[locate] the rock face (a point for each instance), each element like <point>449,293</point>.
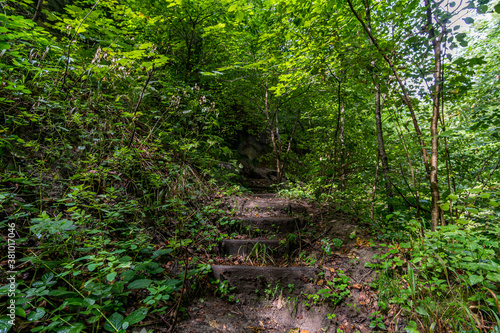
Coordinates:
<point>251,151</point>
<point>250,148</point>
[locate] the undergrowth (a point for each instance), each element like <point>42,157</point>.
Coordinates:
<point>442,281</point>
<point>104,193</point>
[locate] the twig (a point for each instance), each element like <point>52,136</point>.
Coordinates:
<point>139,103</point>
<point>183,288</point>
<point>496,300</point>
<point>406,200</point>
<point>38,10</point>
<point>71,42</point>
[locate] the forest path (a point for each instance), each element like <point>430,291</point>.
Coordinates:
<point>278,275</point>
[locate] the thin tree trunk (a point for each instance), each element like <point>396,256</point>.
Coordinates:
<point>38,11</point>
<point>449,168</point>
<point>378,121</point>
<point>339,116</point>
<point>399,130</point>
<point>374,190</point>
<point>271,129</point>
<point>433,176</point>
<point>342,147</point>
<point>381,148</point>
<point>406,97</point>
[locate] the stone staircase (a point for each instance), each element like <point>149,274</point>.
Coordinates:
<point>262,285</point>
<point>265,214</point>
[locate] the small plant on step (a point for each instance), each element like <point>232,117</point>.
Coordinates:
<point>272,292</point>
<point>260,254</point>
<point>224,291</point>
<point>331,316</point>
<point>309,260</point>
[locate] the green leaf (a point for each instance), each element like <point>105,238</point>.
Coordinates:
<point>475,279</point>
<point>161,252</point>
<point>20,312</point>
<point>60,293</point>
<point>421,311</point>
<point>111,276</point>
<point>138,284</point>
<point>92,267</point>
<point>4,324</point>
<point>482,9</point>
<point>485,195</point>
<point>469,20</point>
<point>411,327</point>
<point>445,206</point>
<point>114,322</point>
<point>472,210</point>
<point>88,302</point>
<point>493,203</point>
<point>495,277</point>
<point>75,328</point>
<point>497,8</point>
<point>36,315</point>
<point>136,316</point>
<point>240,16</point>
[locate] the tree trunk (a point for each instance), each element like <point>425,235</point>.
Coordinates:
<point>381,148</point>
<point>38,11</point>
<point>274,139</point>
<point>374,190</point>
<point>436,96</point>
<point>378,121</point>
<point>342,147</point>
<point>406,96</point>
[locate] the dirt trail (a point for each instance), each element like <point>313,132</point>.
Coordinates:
<point>280,279</point>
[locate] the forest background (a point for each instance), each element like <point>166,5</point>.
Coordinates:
<point>120,124</point>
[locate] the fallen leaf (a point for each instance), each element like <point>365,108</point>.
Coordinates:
<point>357,286</point>
<point>279,303</point>
<point>213,323</point>
<point>320,282</point>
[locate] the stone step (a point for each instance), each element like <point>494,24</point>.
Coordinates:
<point>255,247</point>
<point>258,189</point>
<point>265,195</point>
<point>281,224</point>
<point>257,279</point>
<point>274,205</point>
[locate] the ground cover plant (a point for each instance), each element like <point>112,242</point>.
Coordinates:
<point>125,126</point>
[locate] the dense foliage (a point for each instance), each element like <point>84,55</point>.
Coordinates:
<point>120,128</point>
